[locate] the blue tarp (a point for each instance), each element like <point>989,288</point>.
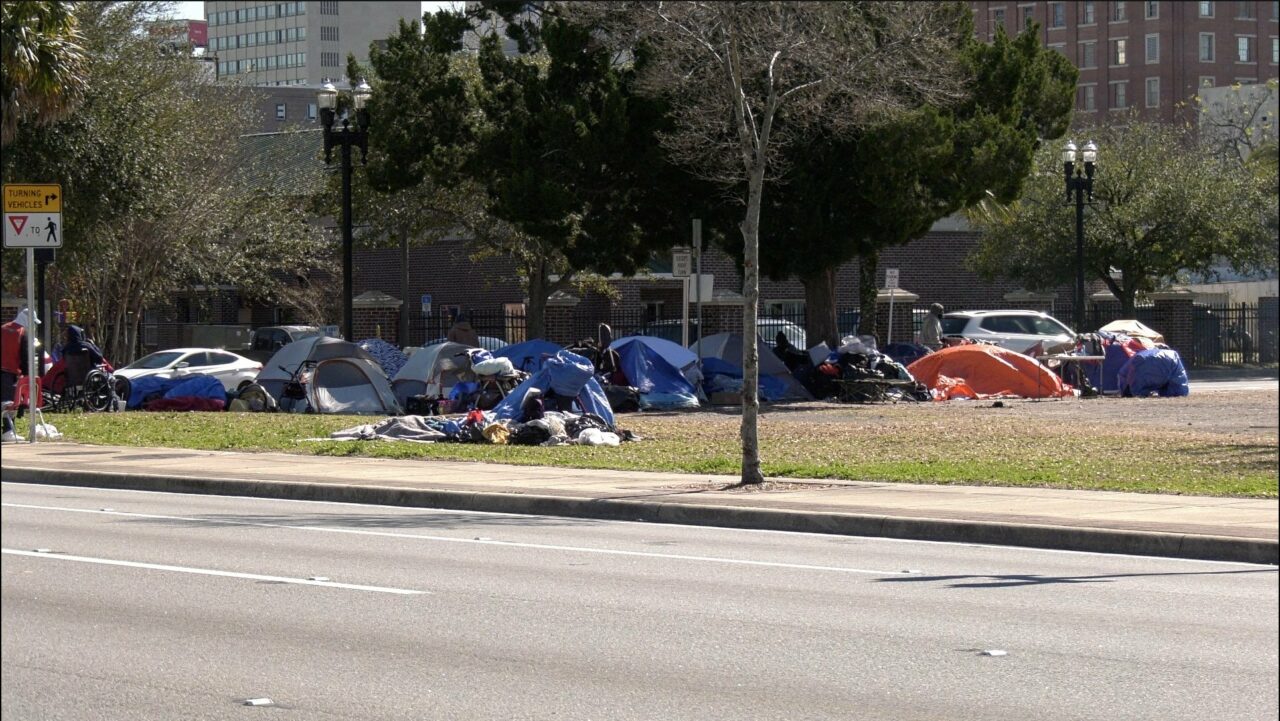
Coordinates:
<point>1158,371</point>
<point>905,353</point>
<point>558,373</point>
<point>197,386</point>
<point>1115,357</point>
<point>660,383</point>
<point>528,356</point>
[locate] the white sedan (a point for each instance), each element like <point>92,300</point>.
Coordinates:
<point>229,368</point>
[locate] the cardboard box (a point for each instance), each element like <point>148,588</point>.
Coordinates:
<point>723,398</point>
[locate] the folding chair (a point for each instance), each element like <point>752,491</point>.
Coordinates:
<point>22,400</point>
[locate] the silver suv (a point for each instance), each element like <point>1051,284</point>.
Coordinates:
<point>1016,330</point>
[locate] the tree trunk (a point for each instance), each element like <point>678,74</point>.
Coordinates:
<point>402,332</point>
<point>750,431</point>
<point>867,263</point>
<point>820,323</point>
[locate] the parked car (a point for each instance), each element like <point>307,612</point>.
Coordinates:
<point>1015,330</point>
<point>269,339</point>
<point>227,367</point>
<point>766,328</point>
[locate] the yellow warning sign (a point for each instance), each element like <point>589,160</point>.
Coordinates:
<point>19,198</point>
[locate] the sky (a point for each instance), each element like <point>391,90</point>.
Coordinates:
<point>195,10</point>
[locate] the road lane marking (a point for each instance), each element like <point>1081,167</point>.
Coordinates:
<point>489,542</point>
<point>212,572</point>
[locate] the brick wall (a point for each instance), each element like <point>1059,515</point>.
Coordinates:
<point>376,323</point>
<point>1172,318</point>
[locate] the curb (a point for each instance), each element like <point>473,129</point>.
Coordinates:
<point>1095,540</point>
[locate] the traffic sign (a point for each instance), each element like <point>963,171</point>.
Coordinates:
<point>890,278</point>
<point>681,263</point>
<point>32,215</point>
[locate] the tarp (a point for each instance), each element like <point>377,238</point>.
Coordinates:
<point>1158,371</point>
<point>906,353</point>
<point>661,384</point>
<point>433,371</point>
<point>198,385</point>
<point>775,379</point>
<point>390,358</point>
<point>989,371</point>
<point>1132,328</point>
<point>488,343</point>
<point>589,396</point>
<point>343,378</point>
<point>528,356</point>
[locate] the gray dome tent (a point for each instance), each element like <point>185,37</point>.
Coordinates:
<point>338,376</point>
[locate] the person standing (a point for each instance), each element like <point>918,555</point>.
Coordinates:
<point>931,331</point>
<point>14,350</point>
<point>462,332</point>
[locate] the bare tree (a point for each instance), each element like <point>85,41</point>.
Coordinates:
<point>745,76</point>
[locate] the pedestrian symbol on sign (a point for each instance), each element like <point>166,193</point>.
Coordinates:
<point>52,227</point>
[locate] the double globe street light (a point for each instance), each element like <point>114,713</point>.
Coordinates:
<point>350,134</point>
<point>1080,181</point>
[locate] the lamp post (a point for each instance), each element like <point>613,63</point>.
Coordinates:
<point>1080,181</point>
<point>347,136</point>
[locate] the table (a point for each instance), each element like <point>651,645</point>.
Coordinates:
<point>868,390</point>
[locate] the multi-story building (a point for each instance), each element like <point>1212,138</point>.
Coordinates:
<point>298,43</point>
<point>1152,55</point>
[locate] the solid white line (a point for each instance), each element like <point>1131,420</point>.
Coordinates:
<point>484,542</point>
<point>211,572</point>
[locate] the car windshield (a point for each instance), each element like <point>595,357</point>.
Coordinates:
<point>154,361</point>
<point>954,326</point>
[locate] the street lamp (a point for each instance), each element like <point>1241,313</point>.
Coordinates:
<point>350,134</point>
<point>1081,182</point>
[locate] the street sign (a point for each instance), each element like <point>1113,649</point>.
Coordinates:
<point>32,215</point>
<point>890,278</point>
<point>426,304</point>
<point>681,263</point>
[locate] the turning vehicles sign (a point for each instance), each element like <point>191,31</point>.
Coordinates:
<point>32,215</point>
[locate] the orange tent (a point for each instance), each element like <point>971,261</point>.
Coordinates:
<point>968,371</point>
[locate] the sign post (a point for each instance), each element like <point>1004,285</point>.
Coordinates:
<point>697,289</point>
<point>32,219</point>
<point>891,283</point>
<point>681,267</point>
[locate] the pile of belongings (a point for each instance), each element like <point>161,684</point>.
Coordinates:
<point>977,371</point>
<point>197,392</point>
<point>622,397</point>
<point>1138,365</point>
<point>857,359</point>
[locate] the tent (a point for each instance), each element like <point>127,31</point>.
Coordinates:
<point>487,342</point>
<point>661,383</point>
<point>1134,328</point>
<point>433,371</point>
<point>338,377</point>
<point>1159,371</point>
<point>529,355</point>
<point>568,375</point>
<point>776,381</point>
<point>986,370</point>
<point>674,353</point>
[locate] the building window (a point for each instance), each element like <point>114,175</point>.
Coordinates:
<point>1275,51</point>
<point>311,111</point>
<point>1153,92</point>
<point>1028,16</point>
<point>1089,54</point>
<point>1118,12</point>
<point>1275,9</point>
<point>329,60</point>
<point>1060,48</point>
<point>1153,49</point>
<point>1088,98</point>
<point>1246,50</point>
<point>1086,14</point>
<point>997,20</point>
<point>1118,92</point>
<point>1118,54</point>
<point>279,111</point>
<point>302,32</point>
<point>1057,15</point>
<point>1246,81</point>
<point>328,34</point>
<point>1244,11</point>
<point>1206,8</point>
<point>329,7</point>
<point>1151,9</point>
<point>1206,47</point>
<point>1207,81</point>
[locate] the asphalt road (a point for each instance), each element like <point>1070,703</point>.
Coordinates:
<point>159,606</point>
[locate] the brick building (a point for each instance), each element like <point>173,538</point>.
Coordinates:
<point>1151,55</point>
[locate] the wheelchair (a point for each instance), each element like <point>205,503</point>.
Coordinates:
<point>88,387</point>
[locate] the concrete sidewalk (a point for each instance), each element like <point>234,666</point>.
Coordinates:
<point>1227,529</point>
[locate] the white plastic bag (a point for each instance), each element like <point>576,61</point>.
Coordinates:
<point>47,432</point>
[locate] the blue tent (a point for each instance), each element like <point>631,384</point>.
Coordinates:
<point>529,355</point>
<point>661,384</point>
<point>1158,371</point>
<point>568,374</point>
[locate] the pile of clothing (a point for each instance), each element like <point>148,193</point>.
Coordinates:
<point>1135,366</point>
<point>552,428</point>
<point>856,359</point>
